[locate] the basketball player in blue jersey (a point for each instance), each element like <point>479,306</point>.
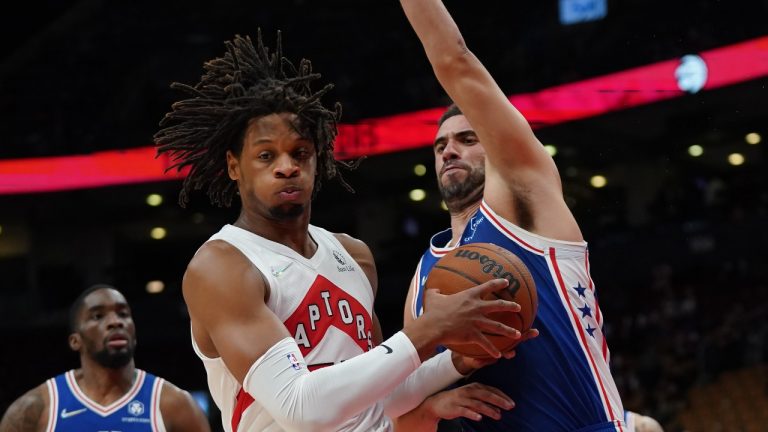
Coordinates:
<point>508,192</point>
<point>108,392</point>
<point>272,297</point>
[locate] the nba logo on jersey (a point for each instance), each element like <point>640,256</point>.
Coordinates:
<point>136,408</point>
<point>294,362</point>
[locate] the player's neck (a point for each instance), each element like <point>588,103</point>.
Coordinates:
<point>293,233</point>
<point>105,385</point>
<point>459,219</point>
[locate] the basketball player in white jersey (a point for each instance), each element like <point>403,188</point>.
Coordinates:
<point>107,392</point>
<point>272,297</point>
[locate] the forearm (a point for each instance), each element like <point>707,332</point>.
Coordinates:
<point>299,400</point>
<point>432,376</point>
<point>436,30</point>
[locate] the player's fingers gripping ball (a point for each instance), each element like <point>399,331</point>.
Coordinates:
<point>475,263</point>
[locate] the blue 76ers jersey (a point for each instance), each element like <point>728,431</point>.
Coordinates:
<point>560,381</point>
<point>137,410</point>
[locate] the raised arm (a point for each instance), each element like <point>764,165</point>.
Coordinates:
<point>519,171</point>
<point>504,132</point>
<point>29,413</point>
<point>254,344</point>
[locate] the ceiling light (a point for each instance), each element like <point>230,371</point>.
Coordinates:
<point>155,286</point>
<point>598,181</point>
<point>736,159</point>
<point>695,150</point>
<point>753,138</point>
<point>419,169</point>
<point>158,233</point>
<point>417,195</point>
<point>154,200</point>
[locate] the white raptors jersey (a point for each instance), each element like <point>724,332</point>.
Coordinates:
<point>325,302</point>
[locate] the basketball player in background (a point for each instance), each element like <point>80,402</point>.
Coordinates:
<point>292,297</point>
<point>508,192</point>
<point>108,392</point>
<point>641,423</point>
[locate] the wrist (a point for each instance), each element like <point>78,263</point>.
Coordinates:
<point>461,366</point>
<point>423,337</point>
<point>429,415</point>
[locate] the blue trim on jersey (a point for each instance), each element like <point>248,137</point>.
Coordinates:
<point>135,415</point>
<point>549,379</point>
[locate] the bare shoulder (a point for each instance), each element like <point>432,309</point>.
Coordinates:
<point>352,245</point>
<point>28,413</point>
<point>358,249</point>
<point>180,411</point>
<point>362,254</point>
<point>216,268</point>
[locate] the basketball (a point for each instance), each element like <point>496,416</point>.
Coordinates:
<point>475,263</point>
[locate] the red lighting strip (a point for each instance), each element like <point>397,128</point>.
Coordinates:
<point>630,88</point>
<point>107,168</point>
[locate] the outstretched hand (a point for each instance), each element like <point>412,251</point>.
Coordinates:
<point>472,401</point>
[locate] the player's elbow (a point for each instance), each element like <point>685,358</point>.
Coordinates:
<point>453,62</point>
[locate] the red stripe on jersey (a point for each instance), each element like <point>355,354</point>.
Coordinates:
<point>242,402</point>
<point>499,225</point>
<point>584,343</point>
<point>598,315</point>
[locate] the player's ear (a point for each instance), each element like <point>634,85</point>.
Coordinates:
<point>75,342</point>
<point>233,168</point>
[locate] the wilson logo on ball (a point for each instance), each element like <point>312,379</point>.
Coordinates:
<point>491,267</point>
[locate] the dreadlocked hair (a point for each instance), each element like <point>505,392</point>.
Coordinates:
<point>246,83</point>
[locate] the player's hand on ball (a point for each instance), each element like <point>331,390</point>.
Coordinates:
<point>462,318</point>
<point>472,401</point>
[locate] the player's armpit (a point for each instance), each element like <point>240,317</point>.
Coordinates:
<point>28,413</point>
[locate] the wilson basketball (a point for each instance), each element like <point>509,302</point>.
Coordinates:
<point>471,265</point>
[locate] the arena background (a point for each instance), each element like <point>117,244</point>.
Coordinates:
<point>676,241</point>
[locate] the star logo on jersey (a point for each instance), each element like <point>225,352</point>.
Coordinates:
<point>580,289</point>
<point>585,311</point>
<point>68,414</point>
<point>136,408</point>
<point>591,330</point>
<point>277,272</point>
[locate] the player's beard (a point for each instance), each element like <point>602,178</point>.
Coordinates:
<point>460,194</point>
<point>287,211</point>
<point>114,359</point>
